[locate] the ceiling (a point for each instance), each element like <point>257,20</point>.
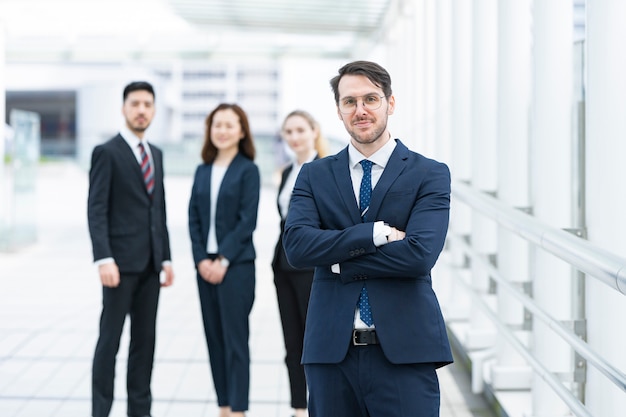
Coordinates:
<point>101,31</point>
<point>301,16</point>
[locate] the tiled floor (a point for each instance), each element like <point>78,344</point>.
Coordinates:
<point>50,305</point>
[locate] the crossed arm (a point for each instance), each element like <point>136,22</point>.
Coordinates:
<point>413,247</point>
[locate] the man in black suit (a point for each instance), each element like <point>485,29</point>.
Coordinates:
<point>127,224</point>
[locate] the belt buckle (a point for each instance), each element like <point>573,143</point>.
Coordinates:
<point>354,341</point>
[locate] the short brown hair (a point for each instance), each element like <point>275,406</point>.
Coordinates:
<point>374,72</point>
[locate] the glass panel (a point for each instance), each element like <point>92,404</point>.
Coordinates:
<point>20,224</point>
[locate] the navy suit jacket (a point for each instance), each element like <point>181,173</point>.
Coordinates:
<point>124,222</point>
<point>324,227</point>
<point>235,213</point>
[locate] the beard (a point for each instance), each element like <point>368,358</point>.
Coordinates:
<point>370,136</point>
<point>138,127</point>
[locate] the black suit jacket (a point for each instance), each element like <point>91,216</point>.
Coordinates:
<point>124,222</point>
<point>279,262</point>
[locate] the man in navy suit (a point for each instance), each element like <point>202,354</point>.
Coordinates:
<point>373,231</point>
<point>127,224</point>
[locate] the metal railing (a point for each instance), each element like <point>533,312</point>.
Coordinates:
<point>586,257</point>
<point>581,254</point>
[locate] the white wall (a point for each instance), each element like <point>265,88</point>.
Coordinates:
<point>606,192</point>
<point>99,112</point>
<point>3,190</point>
<point>306,86</point>
<point>546,168</point>
<point>99,97</point>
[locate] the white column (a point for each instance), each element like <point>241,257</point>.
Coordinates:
<point>456,303</point>
<point>95,127</point>
<point>514,77</point>
<point>443,96</point>
<point>427,143</point>
<point>3,188</point>
<point>606,193</point>
<point>483,153</point>
<point>461,90</point>
<point>405,63</point>
<point>172,101</point>
<point>551,179</point>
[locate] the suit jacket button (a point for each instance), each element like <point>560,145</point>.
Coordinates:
<point>362,251</point>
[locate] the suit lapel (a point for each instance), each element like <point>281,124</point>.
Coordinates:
<point>156,167</point>
<point>284,176</point>
<point>129,157</point>
<point>131,161</point>
<point>395,166</point>
<point>341,172</point>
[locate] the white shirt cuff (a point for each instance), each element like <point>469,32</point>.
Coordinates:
<point>104,261</point>
<point>381,231</point>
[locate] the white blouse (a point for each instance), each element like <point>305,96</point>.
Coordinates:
<point>217,175</point>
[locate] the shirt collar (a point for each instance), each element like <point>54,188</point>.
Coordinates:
<point>380,157</point>
<point>130,138</point>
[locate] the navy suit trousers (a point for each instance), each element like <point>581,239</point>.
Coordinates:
<point>366,384</point>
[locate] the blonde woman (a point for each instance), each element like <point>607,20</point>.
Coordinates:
<point>302,134</point>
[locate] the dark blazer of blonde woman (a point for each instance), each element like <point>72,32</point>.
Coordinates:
<point>293,287</point>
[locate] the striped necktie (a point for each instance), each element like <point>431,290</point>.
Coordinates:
<point>146,170</point>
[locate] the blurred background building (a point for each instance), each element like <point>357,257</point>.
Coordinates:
<point>525,100</point>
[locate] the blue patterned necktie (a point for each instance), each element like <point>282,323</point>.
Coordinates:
<point>364,204</point>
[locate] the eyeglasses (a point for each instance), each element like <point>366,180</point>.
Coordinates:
<point>347,105</point>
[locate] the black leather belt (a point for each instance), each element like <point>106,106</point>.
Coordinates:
<point>364,337</point>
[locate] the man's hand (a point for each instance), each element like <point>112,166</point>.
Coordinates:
<point>395,235</point>
<point>169,276</point>
<point>109,274</point>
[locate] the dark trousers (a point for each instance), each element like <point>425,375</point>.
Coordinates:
<point>366,384</point>
<point>136,296</point>
<point>225,311</point>
<point>292,290</point>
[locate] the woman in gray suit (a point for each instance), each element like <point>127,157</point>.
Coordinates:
<point>222,218</point>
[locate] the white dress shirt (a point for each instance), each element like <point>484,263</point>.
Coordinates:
<point>133,141</point>
<point>380,159</point>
